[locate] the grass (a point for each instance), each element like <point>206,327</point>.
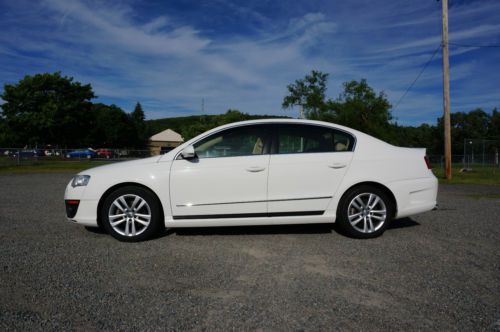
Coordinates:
<point>479,196</point>
<point>48,166</point>
<point>478,175</point>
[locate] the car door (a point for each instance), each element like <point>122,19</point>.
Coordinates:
<point>226,179</point>
<point>306,167</point>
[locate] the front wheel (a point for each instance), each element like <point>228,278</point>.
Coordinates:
<point>131,214</point>
<point>365,212</point>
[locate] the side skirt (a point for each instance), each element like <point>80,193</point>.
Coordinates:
<point>250,215</point>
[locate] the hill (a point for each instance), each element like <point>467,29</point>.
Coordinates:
<point>191,126</point>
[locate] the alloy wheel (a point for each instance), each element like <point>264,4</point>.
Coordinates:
<point>129,215</point>
<point>367,212</point>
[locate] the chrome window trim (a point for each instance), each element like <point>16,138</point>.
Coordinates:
<point>258,201</point>
<point>278,124</point>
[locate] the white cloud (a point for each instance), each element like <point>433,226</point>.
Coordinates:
<point>168,64</point>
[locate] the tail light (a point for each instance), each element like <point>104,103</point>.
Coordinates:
<point>427,162</point>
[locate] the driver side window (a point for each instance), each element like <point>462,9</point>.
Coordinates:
<point>234,142</point>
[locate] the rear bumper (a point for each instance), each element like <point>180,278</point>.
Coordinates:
<point>415,196</point>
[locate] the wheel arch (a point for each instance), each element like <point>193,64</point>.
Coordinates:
<point>378,185</point>
<point>121,185</point>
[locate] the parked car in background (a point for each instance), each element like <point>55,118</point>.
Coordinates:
<point>28,153</point>
<point>260,172</point>
<point>85,153</point>
<point>7,152</point>
<point>51,151</point>
<point>104,153</point>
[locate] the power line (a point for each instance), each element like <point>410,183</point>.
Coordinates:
<point>472,45</point>
<point>418,76</point>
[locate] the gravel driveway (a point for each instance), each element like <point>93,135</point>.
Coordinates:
<point>438,270</point>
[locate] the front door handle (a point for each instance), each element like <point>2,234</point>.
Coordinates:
<point>255,169</point>
<point>337,165</point>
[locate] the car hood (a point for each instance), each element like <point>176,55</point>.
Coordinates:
<point>120,166</point>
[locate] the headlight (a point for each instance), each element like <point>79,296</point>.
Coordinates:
<point>80,180</point>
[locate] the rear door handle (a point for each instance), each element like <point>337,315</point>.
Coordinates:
<point>255,169</point>
<point>337,165</point>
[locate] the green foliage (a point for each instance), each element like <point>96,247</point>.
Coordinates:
<point>138,118</point>
<point>191,126</point>
<point>359,107</point>
<point>111,127</point>
<point>494,128</point>
<point>53,109</point>
<point>308,93</point>
<point>138,114</point>
<point>423,136</point>
<point>47,108</point>
<point>476,124</point>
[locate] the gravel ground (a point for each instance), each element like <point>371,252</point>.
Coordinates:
<point>438,270</point>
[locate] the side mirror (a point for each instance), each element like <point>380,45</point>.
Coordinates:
<point>188,152</point>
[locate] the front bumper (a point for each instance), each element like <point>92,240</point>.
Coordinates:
<point>85,212</point>
<point>71,207</point>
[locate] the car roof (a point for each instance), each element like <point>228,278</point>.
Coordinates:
<point>287,121</point>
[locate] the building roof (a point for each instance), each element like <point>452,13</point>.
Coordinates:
<point>167,135</point>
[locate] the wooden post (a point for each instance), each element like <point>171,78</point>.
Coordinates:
<point>446,94</point>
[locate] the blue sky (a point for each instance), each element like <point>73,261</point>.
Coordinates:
<point>168,55</point>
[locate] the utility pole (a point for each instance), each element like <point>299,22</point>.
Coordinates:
<point>446,94</point>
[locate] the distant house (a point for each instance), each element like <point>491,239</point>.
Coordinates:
<point>164,141</point>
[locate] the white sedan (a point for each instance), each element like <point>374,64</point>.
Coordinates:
<point>261,172</point>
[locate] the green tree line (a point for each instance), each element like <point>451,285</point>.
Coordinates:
<point>54,109</point>
<point>191,126</point>
<point>360,107</point>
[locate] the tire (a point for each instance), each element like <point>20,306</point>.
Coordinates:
<point>128,225</point>
<point>358,221</point>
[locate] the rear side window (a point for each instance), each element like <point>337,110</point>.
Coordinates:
<point>239,141</point>
<point>312,139</point>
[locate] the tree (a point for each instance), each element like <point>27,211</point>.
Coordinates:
<point>308,93</point>
<point>494,129</point>
<point>138,114</point>
<point>111,127</point>
<point>47,108</point>
<point>474,124</point>
<point>360,107</point>
<point>138,118</point>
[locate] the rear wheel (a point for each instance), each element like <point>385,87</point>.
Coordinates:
<point>131,214</point>
<point>365,212</point>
